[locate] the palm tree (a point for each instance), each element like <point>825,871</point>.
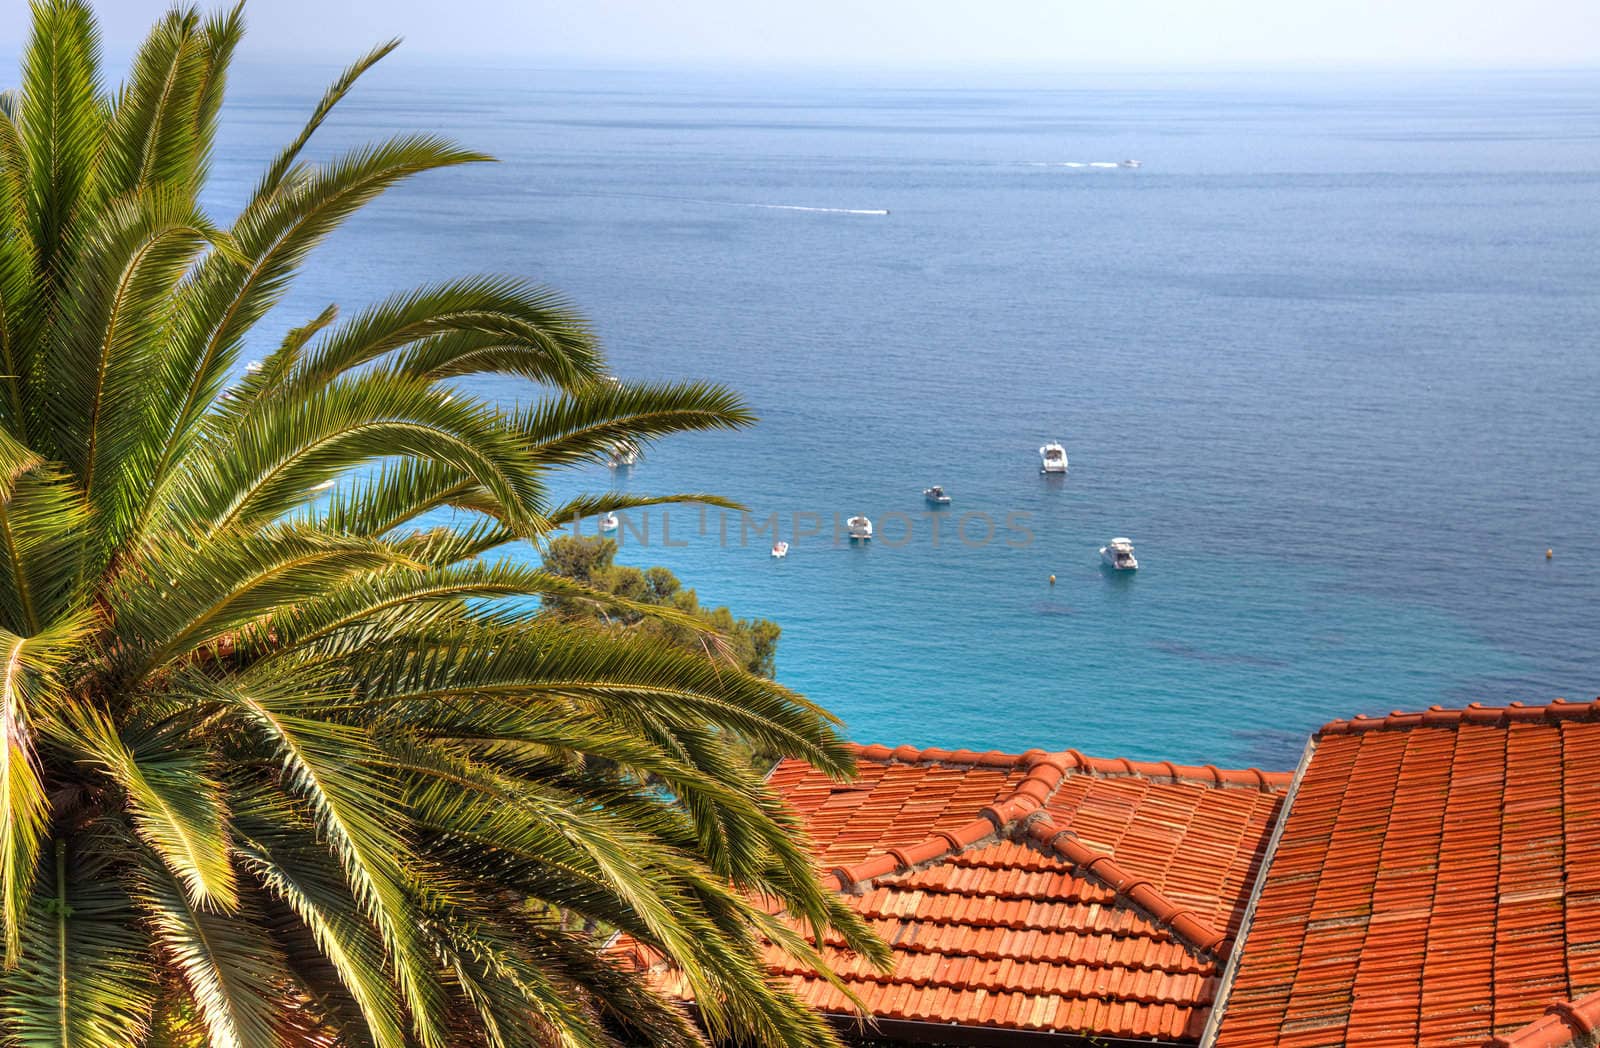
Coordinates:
<point>281,763</point>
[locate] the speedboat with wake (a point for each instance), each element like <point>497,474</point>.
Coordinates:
<point>1118,555</point>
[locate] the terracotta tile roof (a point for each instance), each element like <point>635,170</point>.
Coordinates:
<point>1436,882</point>
<point>1043,892</point>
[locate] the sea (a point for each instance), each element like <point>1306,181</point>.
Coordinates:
<point>1328,356</point>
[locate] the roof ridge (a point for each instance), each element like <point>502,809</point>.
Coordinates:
<point>1100,767</point>
<point>1554,711</point>
<point>1184,924</point>
<point>1044,775</point>
<point>1025,804</point>
<point>1564,1024</point>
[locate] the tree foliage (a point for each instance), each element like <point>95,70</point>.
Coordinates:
<point>750,644</point>
<point>280,763</point>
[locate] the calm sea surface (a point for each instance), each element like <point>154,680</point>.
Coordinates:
<point>1329,357</point>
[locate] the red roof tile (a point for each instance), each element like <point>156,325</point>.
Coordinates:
<point>1436,882</point>
<point>1041,891</point>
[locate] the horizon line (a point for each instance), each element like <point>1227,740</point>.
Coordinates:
<point>504,60</point>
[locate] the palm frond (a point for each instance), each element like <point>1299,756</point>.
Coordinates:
<point>100,363</point>
<point>30,685</point>
<point>154,128</point>
<point>225,295</point>
<point>281,455</point>
<point>332,769</point>
<point>60,121</point>
<point>385,602</point>
<point>232,970</point>
<point>619,674</point>
<point>398,490</point>
<point>17,272</point>
<point>42,518</point>
<point>585,425</point>
<point>285,161</point>
<point>86,975</point>
<point>463,327</point>
<point>184,598</point>
<point>580,507</point>
<point>221,33</point>
<point>304,877</point>
<point>174,801</point>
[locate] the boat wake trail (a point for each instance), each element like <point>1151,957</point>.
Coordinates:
<point>797,207</point>
<point>1077,163</point>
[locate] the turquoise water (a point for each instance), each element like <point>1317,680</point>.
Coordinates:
<point>1328,357</point>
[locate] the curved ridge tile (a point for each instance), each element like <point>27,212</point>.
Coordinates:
<point>1075,762</point>
<point>1553,712</point>
<point>1563,1025</point>
<point>1140,892</point>
<point>1029,795</point>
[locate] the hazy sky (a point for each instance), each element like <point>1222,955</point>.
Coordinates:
<point>1066,34</point>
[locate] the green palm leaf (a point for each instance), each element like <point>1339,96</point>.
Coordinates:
<point>155,124</point>
<point>60,122</point>
<point>174,801</point>
<point>463,327</point>
<point>290,866</point>
<point>232,969</point>
<point>333,770</point>
<point>87,974</point>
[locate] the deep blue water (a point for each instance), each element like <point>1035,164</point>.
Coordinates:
<point>1329,358</point>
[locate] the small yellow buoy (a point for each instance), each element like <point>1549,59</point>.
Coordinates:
<point>1052,580</point>
<point>1549,553</point>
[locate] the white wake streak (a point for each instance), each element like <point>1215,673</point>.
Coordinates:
<point>797,207</point>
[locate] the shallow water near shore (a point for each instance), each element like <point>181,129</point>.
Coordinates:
<point>1328,357</point>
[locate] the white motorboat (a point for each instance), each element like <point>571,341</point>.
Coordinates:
<point>1130,163</point>
<point>1053,458</point>
<point>609,522</point>
<point>780,549</point>
<point>1118,554</point>
<point>623,453</point>
<point>860,528</point>
<point>936,495</point>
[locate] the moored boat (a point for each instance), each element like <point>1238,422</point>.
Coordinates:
<point>1052,458</point>
<point>780,549</point>
<point>609,522</point>
<point>1118,554</point>
<point>860,528</point>
<point>623,453</point>
<point>936,495</point>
